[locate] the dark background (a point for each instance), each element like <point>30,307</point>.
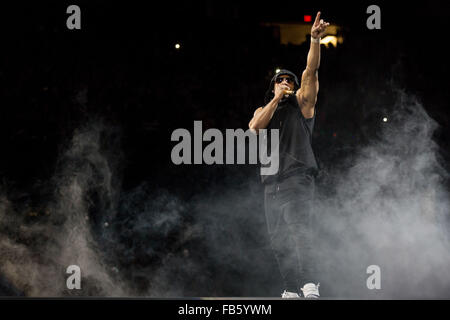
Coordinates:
<point>124,56</point>
<point>122,68</point>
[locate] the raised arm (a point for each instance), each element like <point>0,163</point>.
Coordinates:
<point>307,94</point>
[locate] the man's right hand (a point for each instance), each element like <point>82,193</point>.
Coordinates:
<point>280,91</point>
<point>262,116</point>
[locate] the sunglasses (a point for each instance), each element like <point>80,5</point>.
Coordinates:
<point>288,79</point>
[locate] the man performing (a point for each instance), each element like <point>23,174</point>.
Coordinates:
<point>289,193</point>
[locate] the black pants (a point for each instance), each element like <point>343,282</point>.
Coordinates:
<point>288,207</point>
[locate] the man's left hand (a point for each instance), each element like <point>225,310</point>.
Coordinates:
<point>319,27</point>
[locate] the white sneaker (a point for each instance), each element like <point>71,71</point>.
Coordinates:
<point>311,291</point>
<point>289,295</point>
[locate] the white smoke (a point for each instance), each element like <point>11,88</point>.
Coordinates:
<point>389,209</point>
<point>35,255</point>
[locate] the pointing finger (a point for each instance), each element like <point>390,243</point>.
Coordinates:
<point>316,22</point>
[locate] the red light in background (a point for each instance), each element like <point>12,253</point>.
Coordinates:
<point>307,18</point>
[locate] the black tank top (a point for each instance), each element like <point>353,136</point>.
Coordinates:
<point>295,134</point>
